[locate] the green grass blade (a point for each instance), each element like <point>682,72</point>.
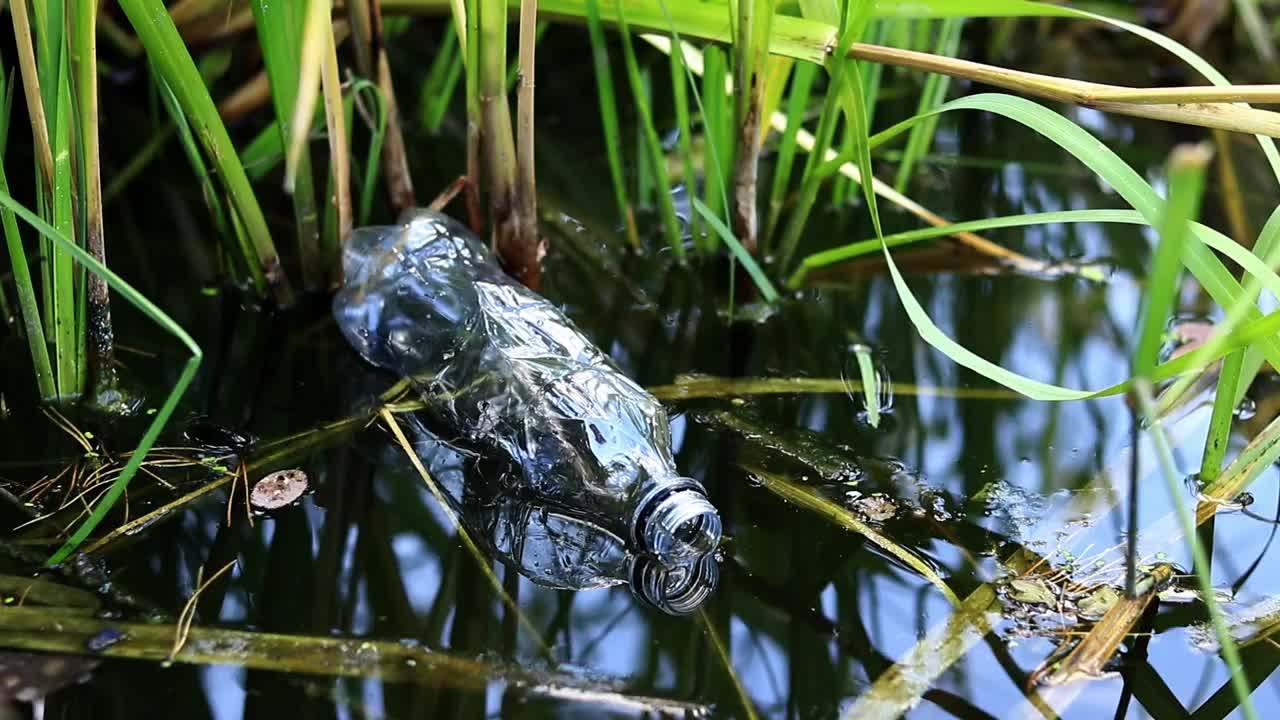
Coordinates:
<point>1213,276</point>
<point>651,143</point>
<point>1257,269</point>
<point>609,117</point>
<point>844,95</point>
<point>1186,182</point>
<point>797,101</point>
<point>739,252</point>
<point>717,116</point>
<point>1224,407</point>
<point>168,53</point>
<point>441,81</point>
<point>870,246</point>
<point>212,199</point>
<point>373,154</point>
<point>1186,185</point>
<point>279,26</point>
<point>67,280</point>
<point>1256,28</point>
<point>1027,8</point>
<point>935,91</point>
<point>684,141</point>
<point>810,178</point>
<point>171,401</point>
<point>871,383</point>
<point>27,303</point>
<point>1173,481</point>
<point>263,153</point>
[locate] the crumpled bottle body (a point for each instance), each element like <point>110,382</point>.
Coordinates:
<point>552,546</point>
<point>506,370</point>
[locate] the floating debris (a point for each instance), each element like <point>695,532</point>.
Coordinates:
<point>1252,624</point>
<point>554,546</point>
<point>29,677</point>
<point>876,507</point>
<point>279,489</point>
<point>507,371</point>
<point>104,639</point>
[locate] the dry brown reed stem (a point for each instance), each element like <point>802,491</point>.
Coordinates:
<point>1087,659</point>
<point>183,12</point>
<point>213,27</point>
<point>247,98</point>
<point>31,90</point>
<point>1210,107</point>
<point>256,93</point>
<point>1229,190</point>
<point>188,614</point>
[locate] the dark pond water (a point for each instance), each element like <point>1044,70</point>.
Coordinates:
<point>807,614</point>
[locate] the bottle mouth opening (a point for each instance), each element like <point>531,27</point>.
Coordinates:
<point>680,524</point>
<point>675,590</point>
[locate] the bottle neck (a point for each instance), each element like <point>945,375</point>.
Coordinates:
<point>674,521</point>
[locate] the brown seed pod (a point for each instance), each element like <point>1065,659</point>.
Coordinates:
<point>278,489</point>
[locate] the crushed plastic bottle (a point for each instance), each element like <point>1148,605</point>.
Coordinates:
<point>552,546</point>
<point>506,371</point>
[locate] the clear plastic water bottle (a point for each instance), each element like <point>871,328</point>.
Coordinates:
<point>506,371</point>
<point>554,546</point>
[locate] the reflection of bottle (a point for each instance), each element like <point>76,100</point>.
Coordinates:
<point>552,546</point>
<point>505,370</point>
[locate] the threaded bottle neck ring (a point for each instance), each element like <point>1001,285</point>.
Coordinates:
<point>675,521</point>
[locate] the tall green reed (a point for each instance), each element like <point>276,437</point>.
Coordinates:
<point>279,27</point>
<point>717,131</point>
<point>28,304</point>
<point>651,144</point>
<point>931,96</point>
<point>161,417</point>
<point>609,118</point>
<point>172,60</point>
<point>97,317</point>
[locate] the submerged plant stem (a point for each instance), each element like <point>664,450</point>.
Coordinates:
<point>389,419</point>
<point>100,336</point>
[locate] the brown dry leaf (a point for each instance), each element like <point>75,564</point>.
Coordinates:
<point>279,489</point>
